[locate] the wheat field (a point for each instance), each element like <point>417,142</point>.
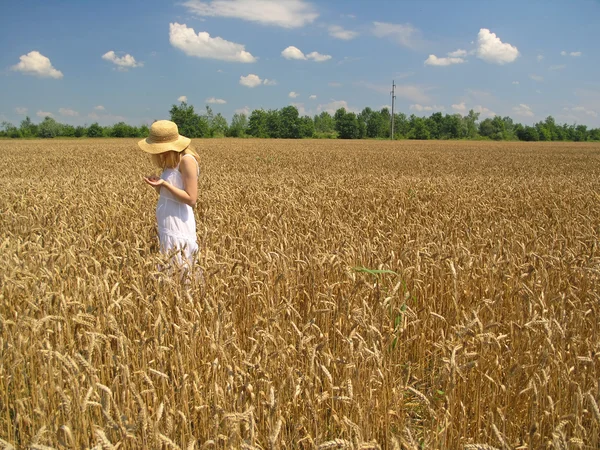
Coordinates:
<point>356,295</point>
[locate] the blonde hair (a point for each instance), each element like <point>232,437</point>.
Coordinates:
<point>171,158</point>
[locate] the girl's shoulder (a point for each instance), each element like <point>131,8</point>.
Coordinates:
<point>185,162</point>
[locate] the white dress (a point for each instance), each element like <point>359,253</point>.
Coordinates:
<point>176,222</point>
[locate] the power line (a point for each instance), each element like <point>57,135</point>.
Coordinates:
<point>393,101</point>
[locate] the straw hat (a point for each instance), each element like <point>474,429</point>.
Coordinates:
<point>164,136</point>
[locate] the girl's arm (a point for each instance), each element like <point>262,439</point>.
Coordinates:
<point>189,173</point>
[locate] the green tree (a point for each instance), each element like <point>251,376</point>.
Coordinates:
<point>346,124</point>
<point>452,127</point>
<point>49,128</point>
<point>486,128</point>
<point>373,122</point>
<point>419,129</point>
<point>209,116</point>
<point>80,131</point>
<point>434,125</point>
<point>527,133</point>
<point>257,124</point>
<point>273,124</point>
<point>364,118</point>
<point>543,132</point>
<point>306,127</point>
<point>401,126</point>
<point>324,124</point>
<point>188,122</point>
<point>470,123</point>
<point>66,130</point>
<point>384,122</point>
<point>290,122</point>
<point>550,125</point>
<point>121,130</point>
<point>499,128</point>
<point>581,133</point>
<point>219,126</point>
<point>9,130</point>
<point>239,124</point>
<point>28,128</point>
<point>95,130</point>
<point>509,128</point>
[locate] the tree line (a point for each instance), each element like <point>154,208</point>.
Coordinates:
<point>287,123</point>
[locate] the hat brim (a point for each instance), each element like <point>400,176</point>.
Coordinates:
<point>155,148</point>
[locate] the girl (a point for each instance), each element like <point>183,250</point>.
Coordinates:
<point>178,189</point>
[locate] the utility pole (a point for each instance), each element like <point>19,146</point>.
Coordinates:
<point>393,100</point>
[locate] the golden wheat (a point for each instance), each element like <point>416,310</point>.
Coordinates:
<point>358,295</point>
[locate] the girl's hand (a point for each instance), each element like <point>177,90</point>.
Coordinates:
<point>154,181</point>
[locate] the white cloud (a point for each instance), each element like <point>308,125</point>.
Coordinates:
<point>460,107</point>
<point>182,98</point>
<point>463,109</point>
<point>418,107</point>
<point>334,84</point>
<point>68,112</point>
<point>338,32</point>
<point>34,63</point>
<point>318,57</point>
<point>43,114</point>
<point>540,57</point>
<point>216,101</point>
<point>201,45</point>
<point>483,111</point>
<point>251,80</point>
<point>558,67</point>
<point>583,109</point>
<point>403,34</point>
<point>523,110</point>
<point>312,97</point>
<point>574,54</point>
<point>333,106</point>
<point>300,108</point>
<point>492,50</point>
<point>245,110</point>
<point>515,82</point>
<point>293,94</point>
<point>285,14</point>
<point>292,52</point>
<point>99,108</point>
<point>453,58</point>
<point>123,63</point>
<point>460,53</point>
<point>536,77</point>
<point>21,111</point>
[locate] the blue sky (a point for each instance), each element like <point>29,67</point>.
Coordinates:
<point>87,61</point>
